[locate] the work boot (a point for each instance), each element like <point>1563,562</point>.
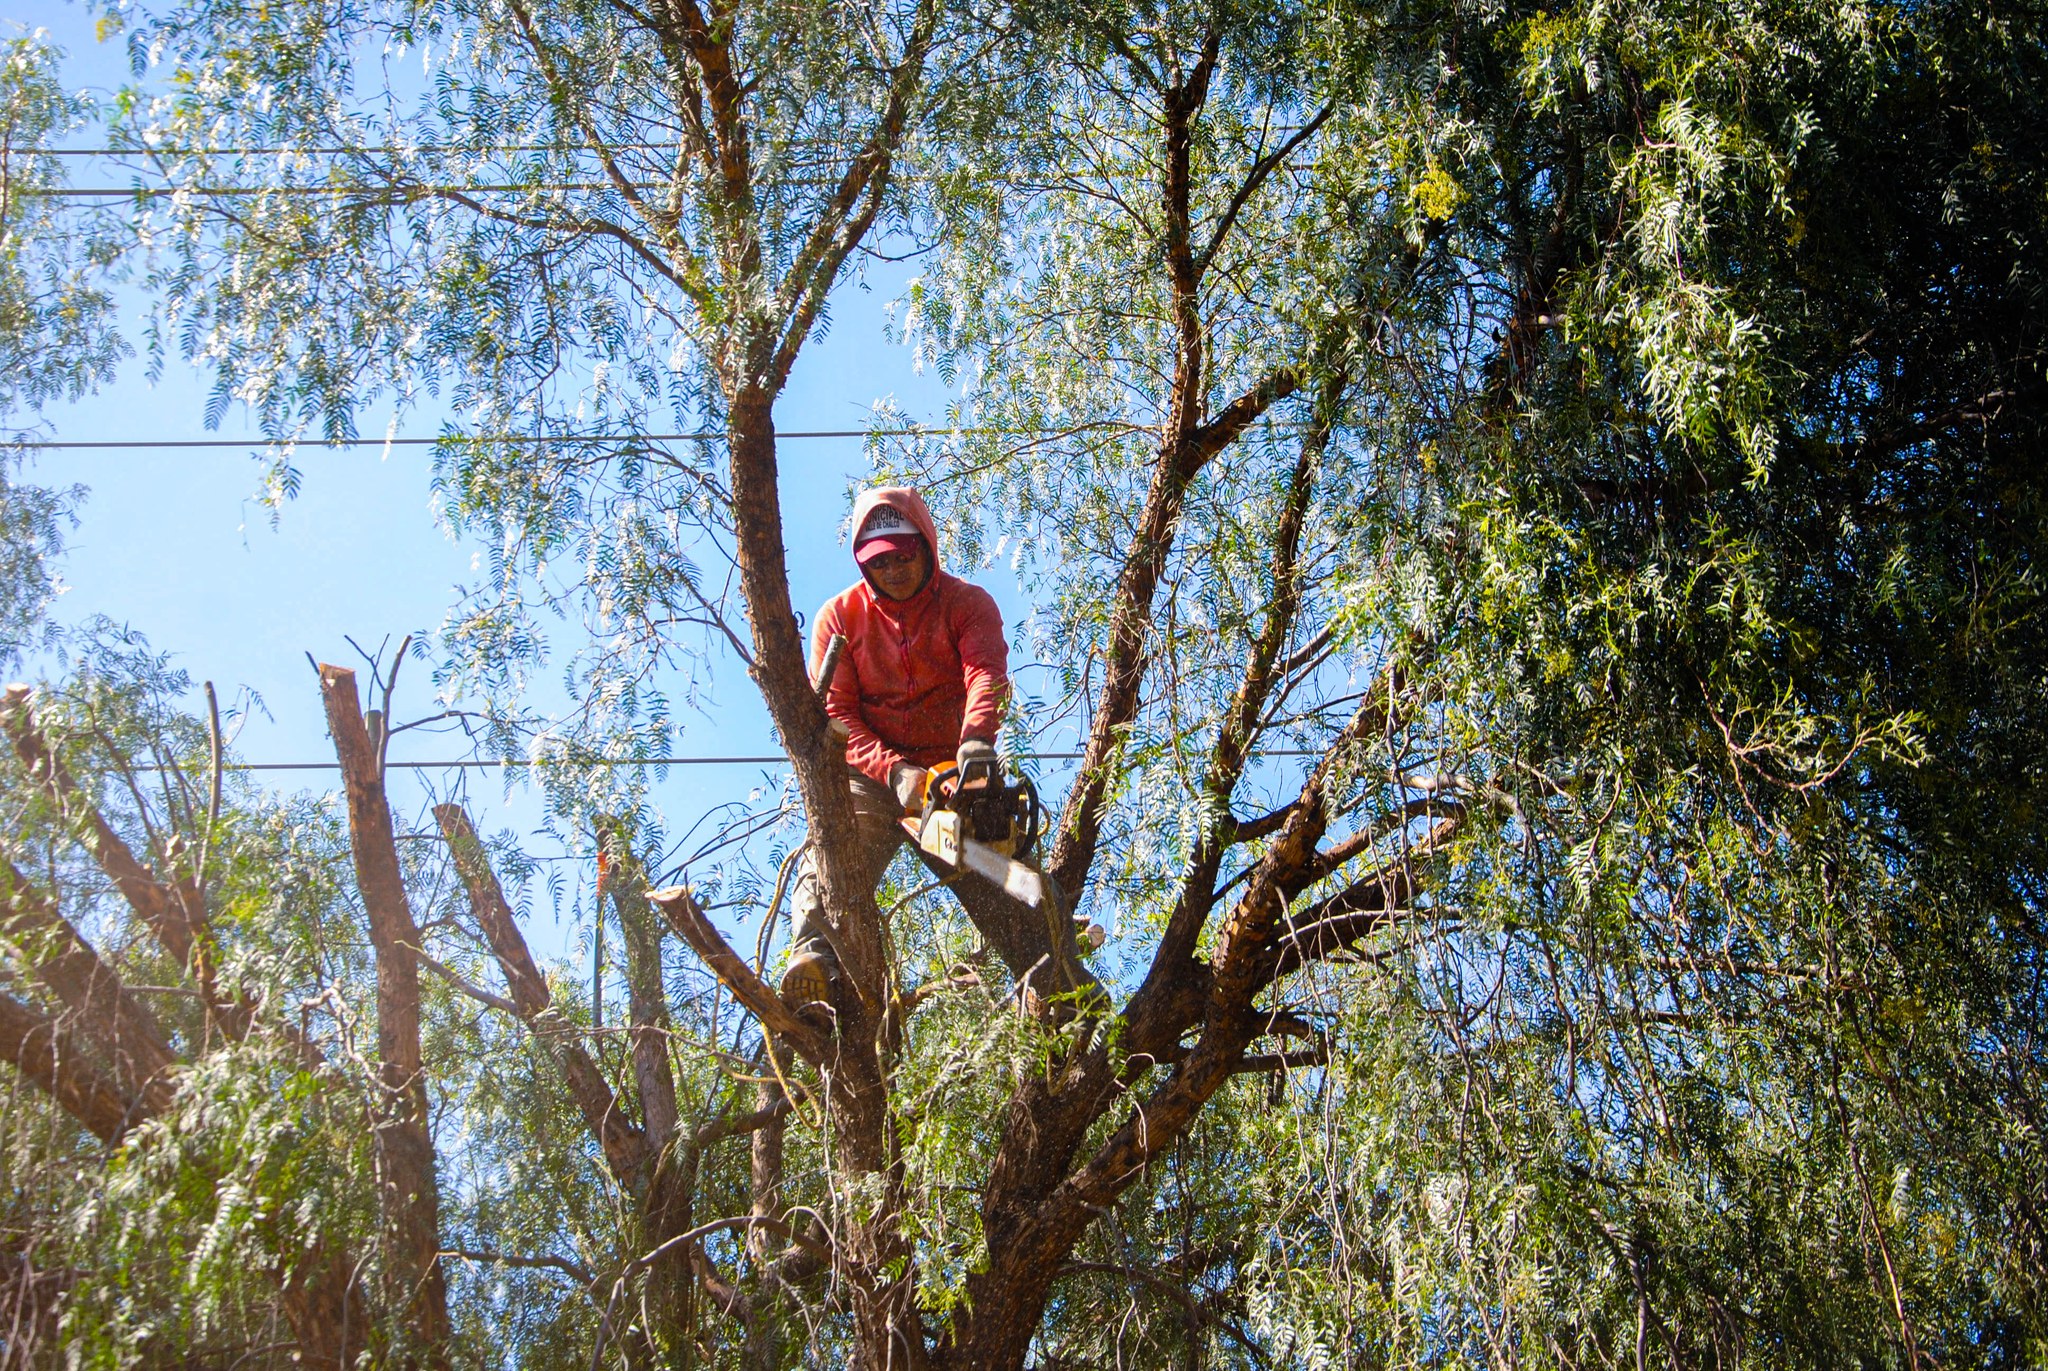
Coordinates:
<point>807,981</point>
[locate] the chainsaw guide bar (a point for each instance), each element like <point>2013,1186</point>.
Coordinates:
<point>942,834</point>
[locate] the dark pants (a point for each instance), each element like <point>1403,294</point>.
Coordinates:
<point>1019,934</point>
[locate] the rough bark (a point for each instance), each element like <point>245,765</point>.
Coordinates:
<point>1034,1211</point>
<point>45,1052</point>
<point>888,1330</point>
<point>101,1007</point>
<point>1030,1234</point>
<point>647,1003</point>
<point>765,325</point>
<point>328,1321</point>
<point>408,1193</point>
<point>1235,736</point>
<point>764,1174</point>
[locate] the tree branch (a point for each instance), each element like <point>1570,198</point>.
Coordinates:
<point>562,1264</point>
<point>647,1004</point>
<point>149,897</point>
<point>679,907</point>
<point>44,1052</point>
<point>408,1192</point>
<point>175,916</point>
<point>624,1145</point>
<point>1173,1290</point>
<point>106,1009</point>
<point>1257,177</point>
<point>739,1125</point>
<point>839,228</point>
<point>467,986</point>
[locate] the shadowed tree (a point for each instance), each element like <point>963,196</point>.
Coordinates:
<point>1496,481</point>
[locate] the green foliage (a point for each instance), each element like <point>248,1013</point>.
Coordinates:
<point>57,340</point>
<point>1666,398</point>
<point>175,1241</point>
<point>526,224</point>
<point>1697,450</point>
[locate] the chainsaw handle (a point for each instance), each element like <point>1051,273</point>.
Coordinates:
<point>939,784</point>
<point>979,773</point>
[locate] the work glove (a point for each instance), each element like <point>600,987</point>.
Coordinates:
<point>975,754</point>
<point>908,783</point>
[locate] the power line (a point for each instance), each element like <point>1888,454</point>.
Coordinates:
<point>478,439</point>
<point>370,150</point>
<point>508,765</point>
<point>411,193</point>
<point>433,149</point>
<point>551,439</point>
<point>396,195</point>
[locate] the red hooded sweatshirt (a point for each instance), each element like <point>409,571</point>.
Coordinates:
<point>918,675</point>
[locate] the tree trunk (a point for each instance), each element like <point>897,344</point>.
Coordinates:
<point>764,1171</point>
<point>888,1331</point>
<point>327,1322</point>
<point>407,1191</point>
<point>667,1202</point>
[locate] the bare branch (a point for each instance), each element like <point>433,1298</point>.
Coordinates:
<point>469,987</point>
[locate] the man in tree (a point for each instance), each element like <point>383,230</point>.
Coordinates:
<point>922,682</point>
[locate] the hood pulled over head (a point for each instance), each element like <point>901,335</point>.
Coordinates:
<point>900,505</point>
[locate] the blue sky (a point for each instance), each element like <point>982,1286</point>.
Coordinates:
<point>177,543</point>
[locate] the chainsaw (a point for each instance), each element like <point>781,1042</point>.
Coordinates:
<point>994,809</point>
<point>984,821</point>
